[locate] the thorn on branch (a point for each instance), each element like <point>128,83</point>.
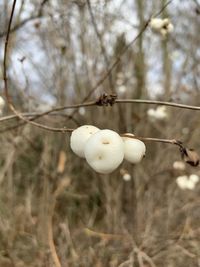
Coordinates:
<point>106,100</point>
<point>190,156</point>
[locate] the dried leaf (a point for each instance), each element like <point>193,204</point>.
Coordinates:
<point>190,156</point>
<point>61,162</point>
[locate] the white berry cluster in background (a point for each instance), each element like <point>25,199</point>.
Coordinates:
<point>187,182</point>
<point>2,105</point>
<point>159,113</point>
<point>161,26</point>
<point>104,150</point>
<point>179,165</point>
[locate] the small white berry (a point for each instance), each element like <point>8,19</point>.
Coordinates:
<point>182,181</point>
<point>156,24</point>
<point>194,178</point>
<point>170,28</point>
<point>104,151</point>
<point>82,111</point>
<point>179,165</point>
<point>164,32</point>
<point>160,113</point>
<point>134,149</point>
<point>79,138</point>
<point>190,184</point>
<point>126,177</point>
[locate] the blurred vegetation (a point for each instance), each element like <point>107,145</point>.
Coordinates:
<point>55,58</point>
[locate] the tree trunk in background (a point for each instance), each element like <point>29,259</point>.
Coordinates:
<point>139,56</point>
<point>167,64</point>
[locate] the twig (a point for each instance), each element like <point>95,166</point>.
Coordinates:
<point>38,115</point>
<point>94,103</point>
<point>157,140</point>
<point>20,24</point>
<point>26,20</point>
<point>163,8</point>
<point>105,236</point>
<point>156,102</point>
<point>35,115</point>
<point>50,236</point>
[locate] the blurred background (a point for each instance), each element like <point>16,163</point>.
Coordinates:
<point>51,201</point>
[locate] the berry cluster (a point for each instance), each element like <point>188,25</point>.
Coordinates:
<point>104,150</point>
<point>161,26</point>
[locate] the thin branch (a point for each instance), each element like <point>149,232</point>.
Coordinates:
<point>34,114</point>
<point>26,20</point>
<point>156,102</point>
<point>163,8</point>
<point>50,234</point>
<point>20,24</point>
<point>38,115</point>
<point>103,50</point>
<point>87,104</point>
<point>157,140</point>
<point>93,103</point>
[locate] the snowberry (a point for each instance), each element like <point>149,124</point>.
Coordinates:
<point>134,149</point>
<point>156,24</point>
<point>187,182</point>
<point>126,177</point>
<point>79,138</point>
<point>182,181</point>
<point>160,113</point>
<point>170,28</point>
<point>194,178</point>
<point>179,165</point>
<point>104,151</point>
<point>162,26</point>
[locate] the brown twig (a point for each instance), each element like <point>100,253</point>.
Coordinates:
<point>103,50</point>
<point>26,20</point>
<point>162,9</point>
<point>20,24</point>
<point>157,140</point>
<point>156,102</point>
<point>95,103</point>
<point>50,235</point>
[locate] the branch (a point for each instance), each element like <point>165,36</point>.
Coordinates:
<point>103,100</point>
<point>156,102</point>
<point>157,140</point>
<point>20,24</point>
<point>94,103</point>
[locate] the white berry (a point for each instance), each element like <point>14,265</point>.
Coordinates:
<point>134,149</point>
<point>156,24</point>
<point>79,138</point>
<point>104,151</point>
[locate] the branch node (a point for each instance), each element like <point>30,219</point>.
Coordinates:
<point>106,100</point>
<point>190,156</point>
